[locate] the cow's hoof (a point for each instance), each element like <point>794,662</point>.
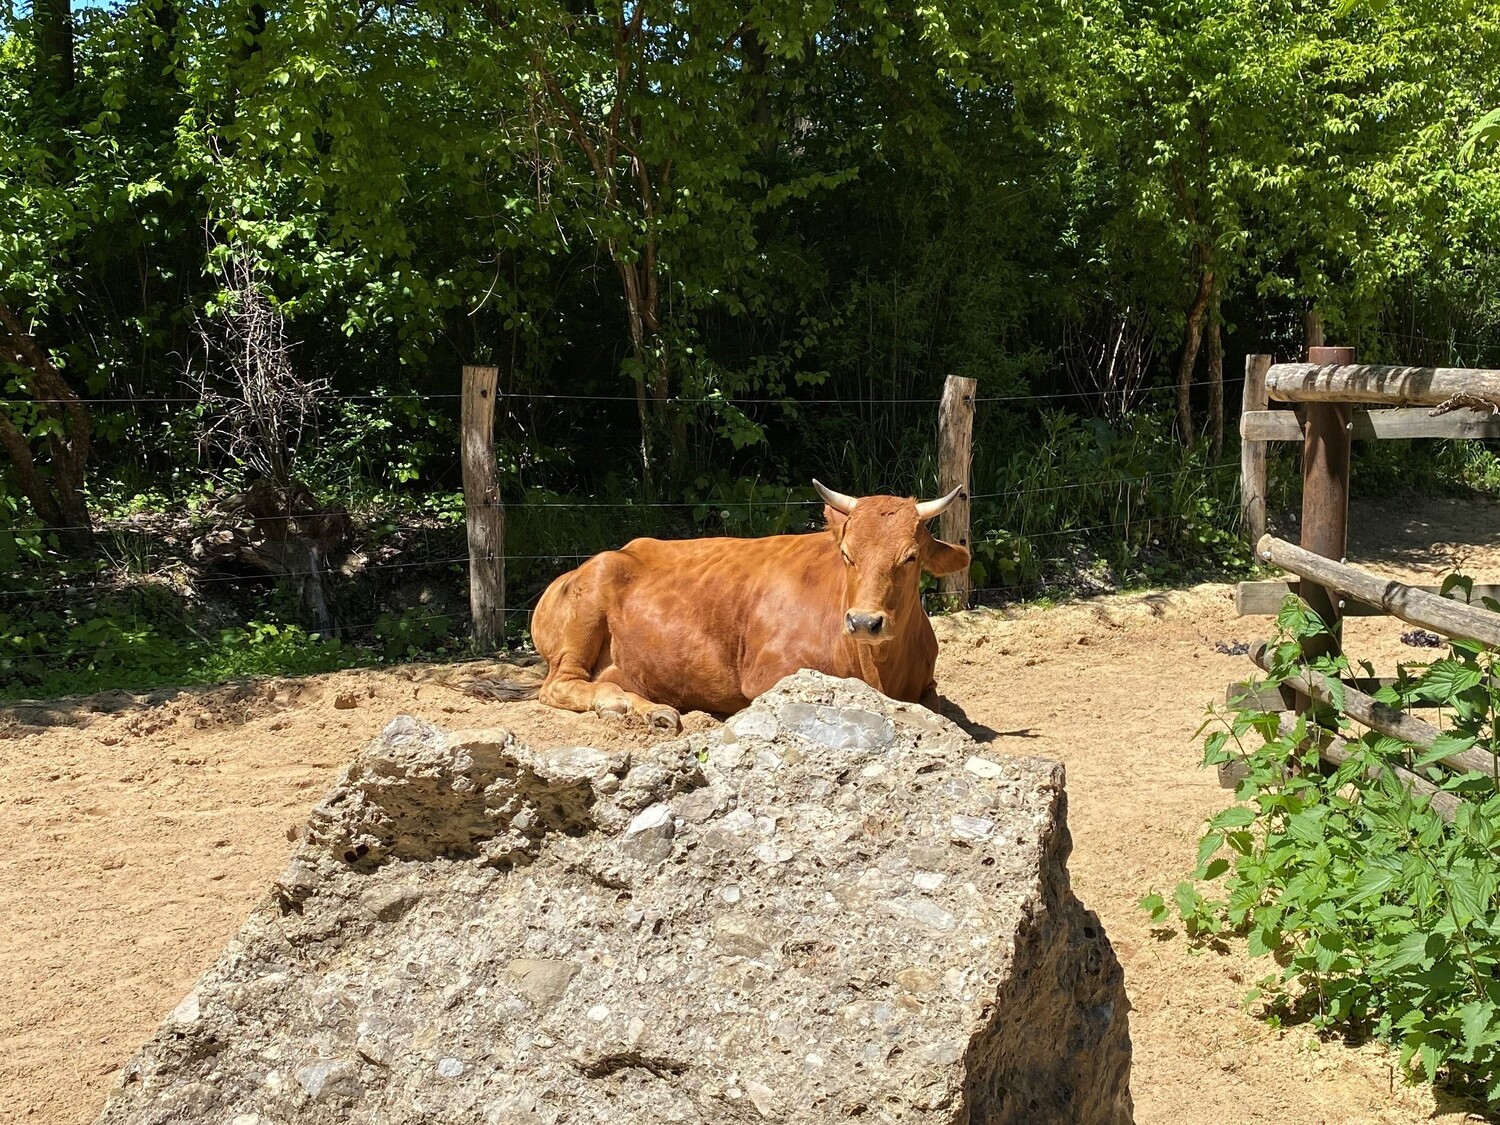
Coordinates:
<point>664,719</point>
<point>613,714</point>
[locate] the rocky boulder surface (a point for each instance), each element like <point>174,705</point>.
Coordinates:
<point>835,906</point>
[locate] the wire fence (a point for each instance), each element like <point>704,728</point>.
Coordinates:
<point>143,560</point>
<point>682,400</point>
<point>123,524</point>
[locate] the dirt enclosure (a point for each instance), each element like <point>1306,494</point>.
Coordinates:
<point>133,842</point>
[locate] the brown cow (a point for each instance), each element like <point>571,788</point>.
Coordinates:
<point>663,626</point>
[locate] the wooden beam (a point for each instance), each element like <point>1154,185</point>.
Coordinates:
<point>483,509</point>
<point>1411,604</point>
<point>1334,749</point>
<point>1261,696</point>
<point>1326,449</point>
<point>1253,453</point>
<point>955,451</point>
<point>1398,423</point>
<point>1265,598</point>
<point>1377,383</point>
<point>1367,711</point>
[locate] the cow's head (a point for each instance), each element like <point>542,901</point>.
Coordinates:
<point>886,546</point>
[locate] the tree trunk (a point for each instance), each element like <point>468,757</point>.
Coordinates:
<point>59,502</point>
<point>636,321</point>
<point>54,47</point>
<point>756,63</point>
<point>1312,327</point>
<point>653,368</point>
<point>1216,378</point>
<point>1191,343</point>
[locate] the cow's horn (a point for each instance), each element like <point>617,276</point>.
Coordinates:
<point>836,500</point>
<point>926,509</point>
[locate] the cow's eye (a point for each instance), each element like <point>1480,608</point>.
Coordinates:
<point>909,559</point>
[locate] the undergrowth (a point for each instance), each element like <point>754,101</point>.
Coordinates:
<point>1379,915</point>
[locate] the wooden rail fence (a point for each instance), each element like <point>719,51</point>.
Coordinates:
<point>1415,402</point>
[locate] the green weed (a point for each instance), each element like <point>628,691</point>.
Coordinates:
<point>1380,915</point>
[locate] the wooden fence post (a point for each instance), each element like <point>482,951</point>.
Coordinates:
<point>955,451</point>
<point>1253,453</point>
<point>483,509</point>
<point>1326,446</point>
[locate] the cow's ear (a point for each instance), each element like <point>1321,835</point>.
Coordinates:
<point>833,518</point>
<point>940,558</point>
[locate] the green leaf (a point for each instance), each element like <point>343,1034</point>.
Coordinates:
<point>1447,679</point>
<point>1236,816</point>
<point>1372,883</point>
<point>1419,948</point>
<point>1445,745</point>
<point>1481,1025</point>
<point>1155,905</point>
<point>1210,843</point>
<point>1263,940</point>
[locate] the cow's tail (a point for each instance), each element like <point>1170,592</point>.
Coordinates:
<point>501,691</point>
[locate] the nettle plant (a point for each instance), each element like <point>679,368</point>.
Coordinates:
<point>1380,915</point>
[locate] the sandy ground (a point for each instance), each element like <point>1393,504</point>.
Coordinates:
<point>134,840</point>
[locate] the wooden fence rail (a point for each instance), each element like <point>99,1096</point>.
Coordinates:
<point>1411,604</point>
<point>1468,402</point>
<point>1388,386</point>
<point>1332,748</point>
<point>1267,595</point>
<point>1370,712</point>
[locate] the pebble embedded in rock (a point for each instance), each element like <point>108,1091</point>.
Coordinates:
<point>648,839</point>
<point>838,728</point>
<point>983,767</point>
<point>327,1079</point>
<point>754,724</point>
<point>188,1011</point>
<point>542,982</point>
<point>762,1097</point>
<point>972,827</point>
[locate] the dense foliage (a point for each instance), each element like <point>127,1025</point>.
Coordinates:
<point>1379,913</point>
<point>714,251</point>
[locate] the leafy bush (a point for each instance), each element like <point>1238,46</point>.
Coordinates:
<point>111,647</point>
<point>412,632</point>
<point>1381,915</point>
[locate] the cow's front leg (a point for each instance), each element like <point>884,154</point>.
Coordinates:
<point>931,700</point>
<point>609,701</point>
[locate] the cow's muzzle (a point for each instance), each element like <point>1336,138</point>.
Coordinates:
<point>871,628</point>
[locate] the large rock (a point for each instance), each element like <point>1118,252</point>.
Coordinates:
<point>835,906</point>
